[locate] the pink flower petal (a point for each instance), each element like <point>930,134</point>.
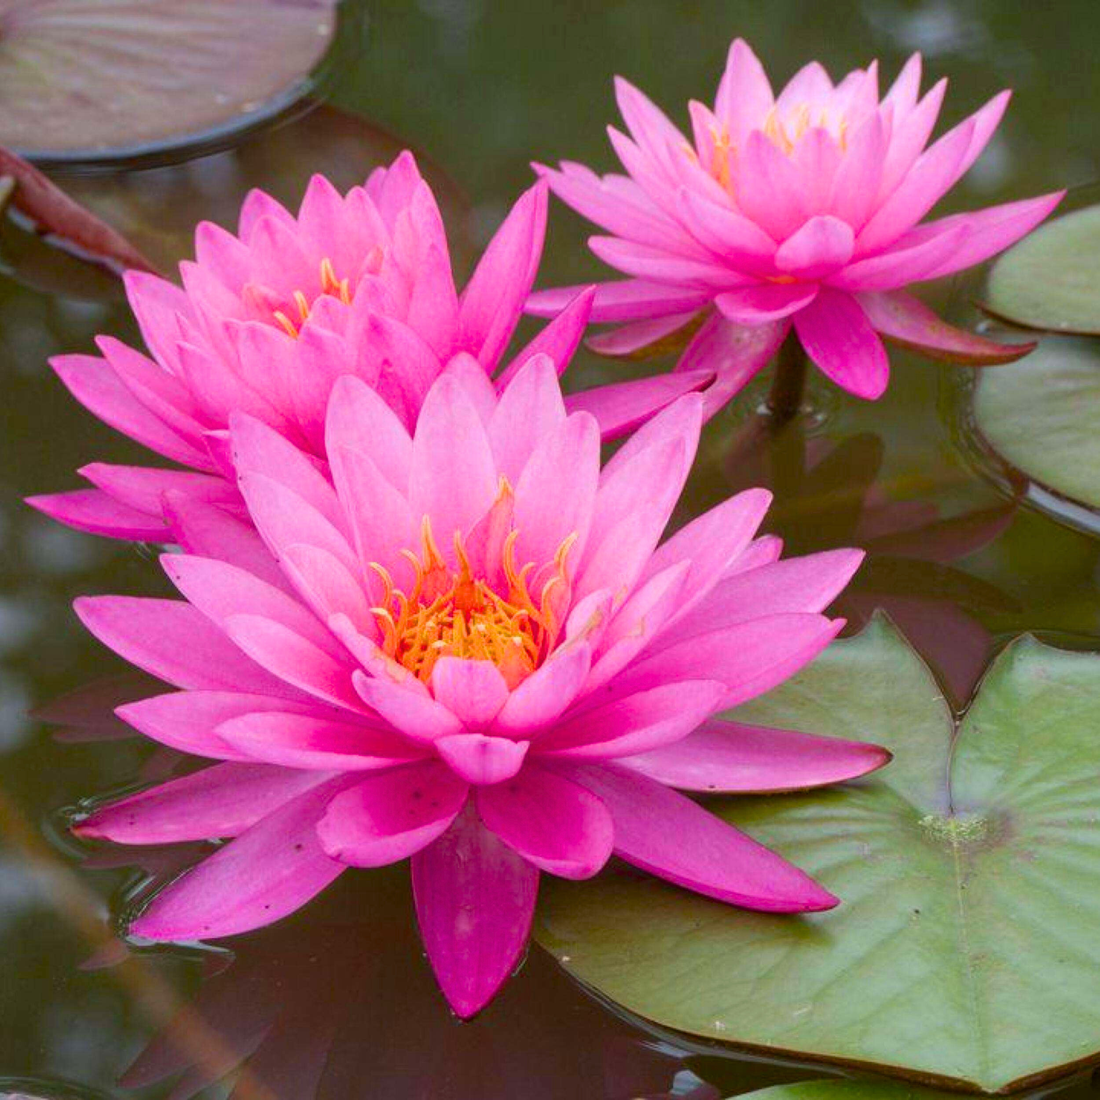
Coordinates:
<point>312,742</point>
<point>391,815</point>
<point>453,479</point>
<point>908,321</point>
<point>643,261</point>
<point>144,488</point>
<point>627,339</point>
<point>750,657</point>
<point>855,186</point>
<point>480,759</point>
<point>629,300</point>
<point>635,724</point>
<point>730,758</point>
<point>839,338</point>
<point>475,899</point>
<point>415,714</point>
<point>735,353</point>
<point>744,94</point>
<point>359,419</point>
<point>211,532</point>
<point>295,659</point>
<point>738,240</point>
<point>268,871</point>
<point>220,590</point>
<point>176,643</point>
<point>764,302</point>
<point>808,583</point>
<point>990,231</point>
<point>188,720</point>
<point>770,189</point>
<point>550,821</point>
<point>909,135</point>
<point>283,519</point>
<point>558,340</point>
<point>257,448</point>
<point>621,407</point>
<point>821,246</point>
<point>556,491</point>
<point>533,398</point>
<point>710,544</point>
<point>493,299</point>
<point>546,693</point>
<point>473,691</point>
<point>669,835</point>
<point>220,801</point>
<point>933,173</point>
<point>92,510</point>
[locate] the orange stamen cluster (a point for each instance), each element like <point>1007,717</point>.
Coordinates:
<point>338,288</point>
<point>451,612</point>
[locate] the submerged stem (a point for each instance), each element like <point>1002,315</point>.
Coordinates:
<point>785,396</point>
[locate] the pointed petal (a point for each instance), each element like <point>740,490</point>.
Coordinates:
<point>839,338</point>
<point>475,899</point>
<point>821,246</point>
<point>669,835</point>
<point>552,822</point>
<point>92,510</point>
<point>220,801</point>
<point>908,321</point>
<point>473,691</point>
<point>492,301</point>
<point>730,758</point>
<point>479,759</point>
<point>315,743</point>
<point>268,871</point>
<point>764,302</point>
<point>644,720</point>
<point>391,815</point>
<point>175,642</point>
<point>621,407</point>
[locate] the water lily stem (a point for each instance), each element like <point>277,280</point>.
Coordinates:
<point>785,396</point>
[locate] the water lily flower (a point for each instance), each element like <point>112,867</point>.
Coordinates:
<point>469,647</point>
<point>267,320</point>
<point>802,211</point>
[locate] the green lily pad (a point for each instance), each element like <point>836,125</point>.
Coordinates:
<point>966,949</point>
<point>1049,280</point>
<point>84,79</point>
<point>1040,415</point>
<point>845,1090</point>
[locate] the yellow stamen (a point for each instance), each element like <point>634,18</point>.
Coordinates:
<point>452,612</point>
<point>330,285</point>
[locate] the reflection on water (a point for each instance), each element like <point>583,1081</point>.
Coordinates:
<point>338,1000</point>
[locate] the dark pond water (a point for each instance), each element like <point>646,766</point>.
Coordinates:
<point>337,1002</point>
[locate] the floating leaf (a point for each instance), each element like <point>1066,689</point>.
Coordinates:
<point>967,943</point>
<point>84,79</point>
<point>1049,280</point>
<point>845,1090</point>
<point>54,213</point>
<point>1040,416</point>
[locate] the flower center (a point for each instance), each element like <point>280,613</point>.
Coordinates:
<point>452,612</point>
<point>330,285</point>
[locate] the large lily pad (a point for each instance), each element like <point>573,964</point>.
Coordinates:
<point>1049,280</point>
<point>966,949</point>
<point>87,78</point>
<point>845,1090</point>
<point>1040,415</point>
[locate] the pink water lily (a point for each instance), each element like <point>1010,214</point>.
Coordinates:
<point>267,320</point>
<point>470,648</point>
<point>799,210</point>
